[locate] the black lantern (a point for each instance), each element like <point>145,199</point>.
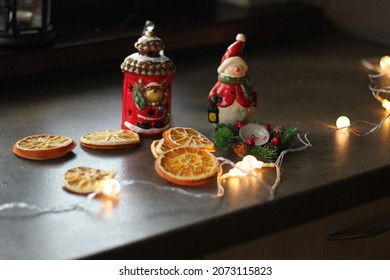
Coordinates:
<point>25,22</point>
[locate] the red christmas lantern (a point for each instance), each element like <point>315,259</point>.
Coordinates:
<point>147,87</point>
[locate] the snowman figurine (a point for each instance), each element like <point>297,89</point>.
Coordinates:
<point>233,97</point>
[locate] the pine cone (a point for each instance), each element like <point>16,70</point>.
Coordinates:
<point>240,149</point>
<point>276,130</point>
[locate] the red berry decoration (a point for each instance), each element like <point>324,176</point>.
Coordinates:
<point>267,126</point>
<point>276,140</point>
<point>239,124</point>
<point>250,142</point>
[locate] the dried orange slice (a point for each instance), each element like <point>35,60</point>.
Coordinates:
<point>158,147</point>
<point>110,139</point>
<point>153,148</point>
<point>187,166</point>
<point>187,137</point>
<point>86,180</point>
<point>43,146</point>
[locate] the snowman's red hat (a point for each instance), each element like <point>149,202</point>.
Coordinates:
<point>233,54</point>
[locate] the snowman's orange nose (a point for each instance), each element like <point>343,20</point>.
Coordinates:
<point>237,69</point>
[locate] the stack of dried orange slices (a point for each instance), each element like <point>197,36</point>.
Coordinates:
<point>43,146</point>
<point>184,157</point>
<point>110,139</point>
<point>181,137</point>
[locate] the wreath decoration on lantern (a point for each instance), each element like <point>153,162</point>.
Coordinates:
<point>231,138</point>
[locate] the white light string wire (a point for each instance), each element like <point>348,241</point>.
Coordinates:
<point>381,67</point>
<point>375,126</point>
<point>219,193</point>
<point>225,161</point>
<point>277,165</point>
<point>304,140</point>
<point>306,143</point>
<point>377,86</point>
<point>372,64</point>
<point>109,187</point>
<point>34,210</point>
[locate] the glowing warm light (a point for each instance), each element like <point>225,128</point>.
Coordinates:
<point>385,63</point>
<point>236,172</point>
<point>247,164</point>
<point>343,122</point>
<point>149,25</point>
<point>386,104</point>
<point>111,187</point>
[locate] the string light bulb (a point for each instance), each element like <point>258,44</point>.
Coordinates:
<point>384,63</point>
<point>385,103</point>
<point>110,187</point>
<point>245,166</point>
<point>379,80</point>
<point>343,122</point>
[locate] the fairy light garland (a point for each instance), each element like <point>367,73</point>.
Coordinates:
<point>110,188</point>
<point>249,164</point>
<point>381,69</point>
<point>246,167</point>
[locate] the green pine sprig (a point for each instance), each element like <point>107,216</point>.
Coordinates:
<point>263,153</point>
<point>227,135</point>
<point>224,138</point>
<point>287,137</point>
